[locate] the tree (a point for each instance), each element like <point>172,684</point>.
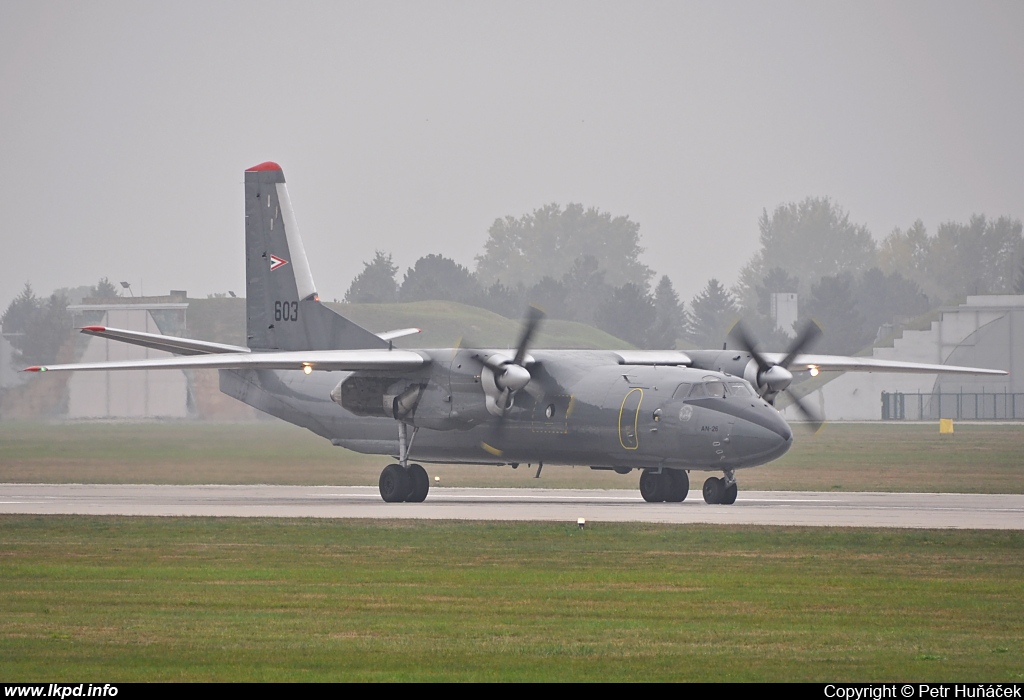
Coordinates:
<point>549,241</point>
<point>20,315</point>
<point>669,317</point>
<point>776,281</point>
<point>882,299</point>
<point>438,277</point>
<point>979,257</point>
<point>832,305</point>
<point>104,289</point>
<point>586,289</point>
<point>507,301</point>
<point>628,313</point>
<point>712,314</point>
<point>36,328</point>
<point>550,295</point>
<point>759,320</point>
<point>809,240</point>
<point>376,283</point>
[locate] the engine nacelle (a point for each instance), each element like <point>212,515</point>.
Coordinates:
<point>735,362</point>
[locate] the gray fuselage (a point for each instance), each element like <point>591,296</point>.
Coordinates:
<point>581,408</point>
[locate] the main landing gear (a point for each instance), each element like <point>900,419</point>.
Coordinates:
<point>721,491</point>
<point>672,485</point>
<point>409,484</point>
<point>668,485</point>
<point>403,481</point>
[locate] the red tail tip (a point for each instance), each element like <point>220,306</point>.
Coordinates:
<point>269,165</point>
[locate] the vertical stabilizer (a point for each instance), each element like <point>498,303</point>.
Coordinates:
<point>283,311</point>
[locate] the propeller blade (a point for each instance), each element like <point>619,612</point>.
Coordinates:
<point>814,421</point>
<point>493,441</point>
<point>743,338</point>
<point>810,333</point>
<point>511,377</point>
<point>533,318</point>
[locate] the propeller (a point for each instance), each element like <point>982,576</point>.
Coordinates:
<point>775,378</point>
<point>506,377</point>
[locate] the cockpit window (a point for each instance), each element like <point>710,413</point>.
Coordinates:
<point>697,392</point>
<point>740,389</point>
<point>715,388</point>
<point>681,391</point>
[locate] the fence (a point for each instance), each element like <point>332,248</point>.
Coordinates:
<point>961,406</point>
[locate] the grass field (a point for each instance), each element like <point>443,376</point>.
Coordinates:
<point>105,599</point>
<point>120,599</point>
<point>847,457</point>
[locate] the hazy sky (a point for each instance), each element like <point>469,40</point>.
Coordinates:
<point>125,127</point>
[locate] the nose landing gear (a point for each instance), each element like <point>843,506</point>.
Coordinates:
<point>721,491</point>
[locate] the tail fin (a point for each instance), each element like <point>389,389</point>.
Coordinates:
<point>283,311</point>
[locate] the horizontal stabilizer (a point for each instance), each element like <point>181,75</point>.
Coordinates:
<point>169,343</point>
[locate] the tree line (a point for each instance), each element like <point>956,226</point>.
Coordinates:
<point>577,264</point>
<point>584,265</point>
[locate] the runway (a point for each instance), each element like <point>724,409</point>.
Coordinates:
<point>902,510</point>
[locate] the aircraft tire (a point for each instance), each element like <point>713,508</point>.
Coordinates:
<point>393,484</point>
<point>678,485</point>
<point>714,489</point>
<point>729,494</point>
<point>653,486</point>
<point>419,484</point>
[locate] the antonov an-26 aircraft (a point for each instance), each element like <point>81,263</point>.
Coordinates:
<point>665,413</point>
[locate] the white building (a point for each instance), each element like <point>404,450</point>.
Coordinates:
<point>135,393</point>
<point>986,331</point>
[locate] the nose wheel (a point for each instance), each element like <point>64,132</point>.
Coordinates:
<point>721,491</point>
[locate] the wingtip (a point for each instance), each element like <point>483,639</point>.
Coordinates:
<point>93,329</point>
<point>34,368</point>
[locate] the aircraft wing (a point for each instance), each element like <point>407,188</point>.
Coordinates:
<point>839,363</point>
<point>321,360</point>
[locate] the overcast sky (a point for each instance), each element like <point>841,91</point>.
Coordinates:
<point>409,127</point>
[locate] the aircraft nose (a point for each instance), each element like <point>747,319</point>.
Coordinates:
<point>762,435</point>
<point>783,436</point>
<point>781,427</point>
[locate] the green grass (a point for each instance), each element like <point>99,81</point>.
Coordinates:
<point>842,457</point>
<point>123,599</point>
